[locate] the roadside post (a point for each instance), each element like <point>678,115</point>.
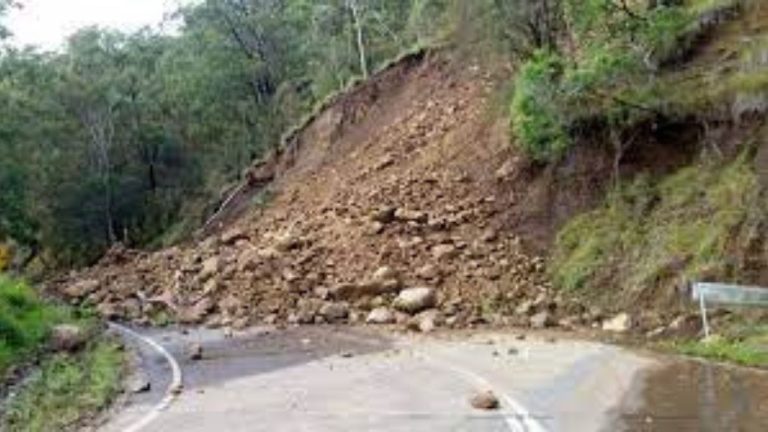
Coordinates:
<point>726,294</point>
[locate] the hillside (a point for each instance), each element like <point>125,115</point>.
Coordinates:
<point>409,180</point>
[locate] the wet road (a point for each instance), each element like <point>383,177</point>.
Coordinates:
<point>324,379</point>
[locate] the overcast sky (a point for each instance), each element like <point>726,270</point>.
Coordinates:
<point>47,23</point>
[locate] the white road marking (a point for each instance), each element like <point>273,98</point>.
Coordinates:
<point>171,391</point>
<point>519,421</point>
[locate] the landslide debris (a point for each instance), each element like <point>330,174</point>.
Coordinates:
<point>387,207</point>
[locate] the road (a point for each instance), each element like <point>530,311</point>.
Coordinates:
<point>325,379</point>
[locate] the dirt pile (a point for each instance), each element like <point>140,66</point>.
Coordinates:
<point>391,205</point>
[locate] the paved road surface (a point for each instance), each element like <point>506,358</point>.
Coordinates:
<point>324,379</point>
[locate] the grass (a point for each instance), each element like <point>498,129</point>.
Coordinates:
<point>738,352</point>
<point>67,389</point>
<point>648,235</point>
<point>25,321</point>
<point>68,386</point>
<point>743,341</point>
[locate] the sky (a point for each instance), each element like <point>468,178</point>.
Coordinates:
<point>47,23</point>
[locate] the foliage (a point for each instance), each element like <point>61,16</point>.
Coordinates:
<point>613,54</point>
<point>25,321</point>
<point>123,137</point>
<point>536,117</point>
<point>744,353</point>
<point>650,233</point>
<point>67,389</point>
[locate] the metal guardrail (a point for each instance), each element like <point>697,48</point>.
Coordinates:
<point>726,294</point>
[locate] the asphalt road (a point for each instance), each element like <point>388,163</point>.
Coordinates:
<point>325,379</point>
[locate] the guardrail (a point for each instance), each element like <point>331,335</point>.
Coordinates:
<point>726,294</point>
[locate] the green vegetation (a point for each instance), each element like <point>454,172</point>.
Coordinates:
<point>25,322</point>
<point>607,75</point>
<point>648,234</point>
<point>68,389</point>
<point>133,137</point>
<point>744,353</point>
<point>68,386</point>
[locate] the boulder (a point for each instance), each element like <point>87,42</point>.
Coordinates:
<point>380,315</point>
<point>384,215</point>
<point>334,312</point>
<point>415,300</point>
<point>195,352</point>
<point>428,272</point>
<point>81,289</point>
<point>485,400</point>
<point>427,320</point>
<point>405,215</point>
<point>621,323</point>
<point>67,338</point>
<point>233,235</point>
<point>211,267</point>
<point>444,251</point>
<point>541,320</point>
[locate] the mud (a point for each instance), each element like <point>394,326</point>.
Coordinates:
<point>698,396</point>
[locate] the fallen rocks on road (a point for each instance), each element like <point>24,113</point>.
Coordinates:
<point>485,400</point>
<point>195,352</point>
<point>621,323</point>
<point>415,300</point>
<point>380,315</point>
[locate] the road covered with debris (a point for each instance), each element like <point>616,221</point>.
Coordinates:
<point>332,379</point>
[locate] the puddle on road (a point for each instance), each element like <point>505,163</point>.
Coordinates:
<point>702,397</point>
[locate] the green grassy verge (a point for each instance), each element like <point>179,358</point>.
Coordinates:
<point>25,322</point>
<point>745,353</point>
<point>68,389</point>
<point>742,339</point>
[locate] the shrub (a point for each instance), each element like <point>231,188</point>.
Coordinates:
<point>536,118</point>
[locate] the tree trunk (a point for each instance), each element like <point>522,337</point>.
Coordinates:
<point>352,5</point>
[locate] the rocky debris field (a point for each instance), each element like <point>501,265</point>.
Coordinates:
<point>390,211</point>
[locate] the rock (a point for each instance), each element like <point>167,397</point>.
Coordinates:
<point>490,235</point>
<point>334,312</point>
<point>380,315</point>
<point>415,300</point>
<point>541,320</point>
<point>485,400</point>
<point>427,321</point>
<point>405,215</point>
<point>197,313</point>
<point>80,290</point>
<point>506,170</point>
<point>621,323</point>
<point>286,242</point>
<point>211,267</point>
<point>67,338</point>
<point>444,251</point>
<point>524,308</point>
<point>428,272</point>
<point>351,291</point>
<point>195,352</point>
<point>109,311</point>
<point>384,215</point>
<point>383,274</point>
<point>138,383</point>
<point>232,236</point>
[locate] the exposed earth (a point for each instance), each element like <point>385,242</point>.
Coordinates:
<point>406,185</point>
